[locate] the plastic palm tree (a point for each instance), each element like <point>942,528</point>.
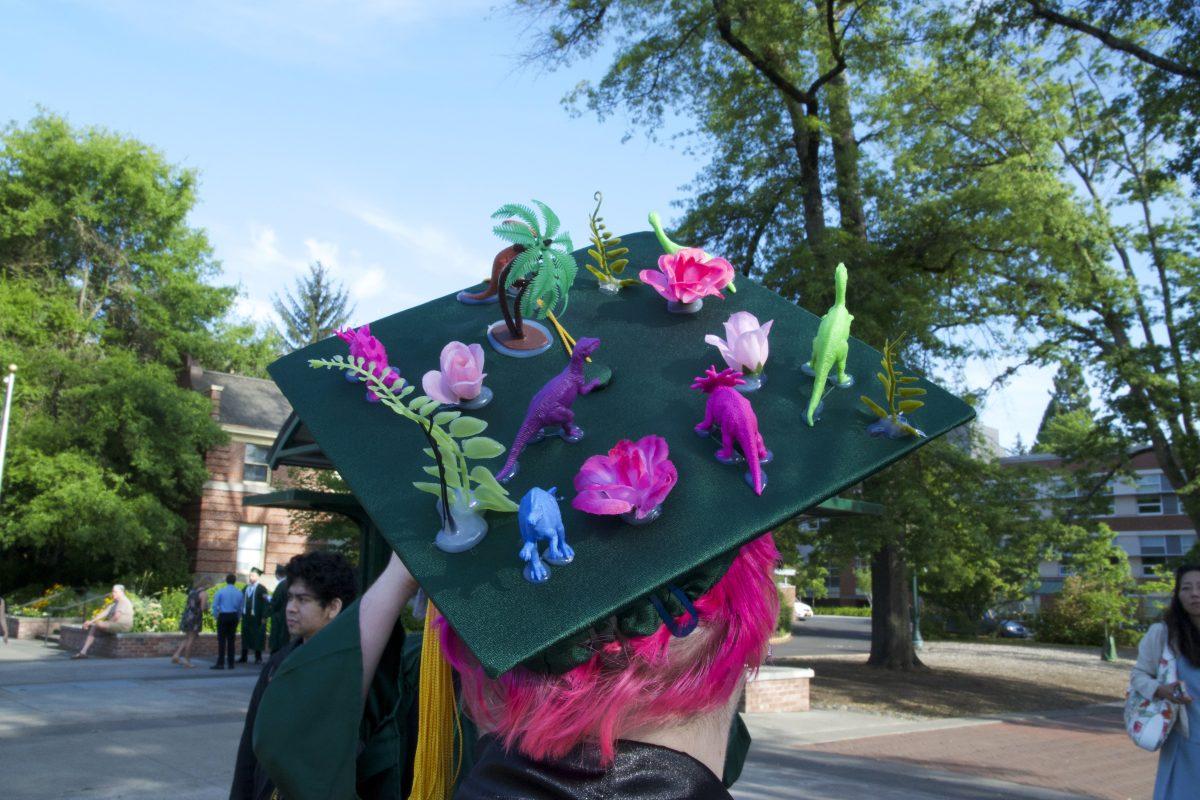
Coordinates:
<point>542,273</point>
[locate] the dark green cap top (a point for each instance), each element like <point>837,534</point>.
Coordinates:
<point>504,619</point>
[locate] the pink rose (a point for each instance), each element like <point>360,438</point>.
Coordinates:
<point>634,476</point>
<point>461,376</point>
<point>688,275</point>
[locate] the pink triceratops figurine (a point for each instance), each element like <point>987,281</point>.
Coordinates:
<point>729,409</point>
<point>364,345</point>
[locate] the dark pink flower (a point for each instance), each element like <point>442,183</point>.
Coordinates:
<point>688,275</point>
<point>634,476</point>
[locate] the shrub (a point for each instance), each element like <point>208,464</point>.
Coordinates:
<point>843,611</point>
<point>787,609</point>
<point>1078,614</point>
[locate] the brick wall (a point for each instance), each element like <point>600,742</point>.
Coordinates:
<point>36,627</point>
<point>141,645</point>
<point>219,511</point>
<point>777,689</point>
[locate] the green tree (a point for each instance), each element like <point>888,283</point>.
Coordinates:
<point>104,289</point>
<point>315,307</point>
<point>1069,395</point>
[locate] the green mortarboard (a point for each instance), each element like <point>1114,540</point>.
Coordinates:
<point>655,355</point>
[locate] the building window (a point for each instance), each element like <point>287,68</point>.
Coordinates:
<point>833,582</point>
<point>254,464</point>
<point>1149,483</point>
<point>252,546</point>
<point>1149,504</point>
<point>1149,563</point>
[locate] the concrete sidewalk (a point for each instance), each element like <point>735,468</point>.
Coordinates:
<point>143,729</point>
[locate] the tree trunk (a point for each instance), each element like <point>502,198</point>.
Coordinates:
<point>891,620</point>
<point>515,328</point>
<point>806,138</point>
<point>845,159</point>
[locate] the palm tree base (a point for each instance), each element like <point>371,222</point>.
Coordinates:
<point>536,341</point>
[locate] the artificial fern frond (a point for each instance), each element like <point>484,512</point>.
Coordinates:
<point>552,221</point>
<point>524,213</point>
<point>525,262</point>
<point>515,232</point>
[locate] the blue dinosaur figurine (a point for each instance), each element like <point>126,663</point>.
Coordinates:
<point>539,518</point>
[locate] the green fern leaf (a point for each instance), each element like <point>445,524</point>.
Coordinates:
<point>522,265</point>
<point>552,221</point>
<point>522,212</point>
<point>871,404</point>
<point>516,233</point>
<point>616,252</point>
<point>618,266</point>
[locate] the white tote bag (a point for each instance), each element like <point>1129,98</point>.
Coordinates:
<point>1148,720</point>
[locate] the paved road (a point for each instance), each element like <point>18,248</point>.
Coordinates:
<point>142,729</point>
<point>827,636</point>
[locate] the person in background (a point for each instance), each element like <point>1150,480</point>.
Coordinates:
<point>319,586</point>
<point>192,621</point>
<point>254,617</point>
<point>278,637</point>
<point>227,607</point>
<point>113,619</point>
<point>1179,760</point>
<point>3,620</point>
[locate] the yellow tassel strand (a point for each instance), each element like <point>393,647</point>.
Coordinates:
<point>568,341</point>
<point>437,722</point>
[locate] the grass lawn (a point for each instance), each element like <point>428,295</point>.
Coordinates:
<point>966,679</point>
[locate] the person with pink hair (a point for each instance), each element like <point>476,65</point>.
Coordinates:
<point>617,714</point>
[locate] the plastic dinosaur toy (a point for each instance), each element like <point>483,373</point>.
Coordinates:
<point>491,291</point>
<point>832,344</point>
<point>539,518</point>
<point>364,345</point>
<point>729,410</point>
<point>551,406</point>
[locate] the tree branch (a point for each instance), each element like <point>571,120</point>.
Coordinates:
<point>1114,42</point>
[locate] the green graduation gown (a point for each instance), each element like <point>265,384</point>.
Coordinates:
<point>316,738</point>
<point>254,619</point>
<point>278,636</point>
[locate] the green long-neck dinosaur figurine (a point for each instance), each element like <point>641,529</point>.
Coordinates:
<point>832,343</point>
<point>669,247</point>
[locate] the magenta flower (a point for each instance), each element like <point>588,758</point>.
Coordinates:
<point>461,377</point>
<point>744,347</point>
<point>688,275</point>
<point>364,345</point>
<point>634,476</point>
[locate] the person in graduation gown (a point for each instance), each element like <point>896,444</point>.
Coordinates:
<point>321,586</point>
<point>650,716</point>
<point>254,617</point>
<point>277,612</point>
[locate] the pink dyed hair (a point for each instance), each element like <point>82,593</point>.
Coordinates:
<point>648,680</point>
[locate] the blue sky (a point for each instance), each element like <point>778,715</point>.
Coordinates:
<point>377,136</point>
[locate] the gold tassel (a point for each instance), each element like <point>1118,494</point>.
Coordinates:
<point>437,722</point>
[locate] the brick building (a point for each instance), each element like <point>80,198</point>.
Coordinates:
<point>1145,513</point>
<point>227,536</point>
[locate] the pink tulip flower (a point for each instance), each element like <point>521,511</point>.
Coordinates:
<point>461,376</point>
<point>688,275</point>
<point>634,476</point>
<point>744,347</point>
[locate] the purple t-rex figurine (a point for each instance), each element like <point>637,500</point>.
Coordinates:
<point>731,411</point>
<point>363,344</point>
<point>551,406</point>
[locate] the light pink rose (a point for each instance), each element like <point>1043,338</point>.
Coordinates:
<point>461,376</point>
<point>634,476</point>
<point>688,275</point>
<point>744,347</point>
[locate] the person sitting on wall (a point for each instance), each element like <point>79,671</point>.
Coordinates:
<point>109,621</point>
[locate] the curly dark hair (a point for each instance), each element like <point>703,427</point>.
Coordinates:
<point>327,575</point>
<point>1181,631</point>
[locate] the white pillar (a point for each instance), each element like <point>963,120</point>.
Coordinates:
<point>11,380</point>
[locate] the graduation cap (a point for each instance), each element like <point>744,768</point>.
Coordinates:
<point>636,576</point>
<point>504,619</point>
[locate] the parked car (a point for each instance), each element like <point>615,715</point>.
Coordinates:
<point>1011,629</point>
<point>802,612</point>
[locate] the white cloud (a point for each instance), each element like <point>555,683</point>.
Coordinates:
<point>262,253</point>
<point>431,250</point>
<point>325,252</point>
<point>370,284</point>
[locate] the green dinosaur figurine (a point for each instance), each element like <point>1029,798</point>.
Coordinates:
<point>832,344</point>
<point>670,248</point>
